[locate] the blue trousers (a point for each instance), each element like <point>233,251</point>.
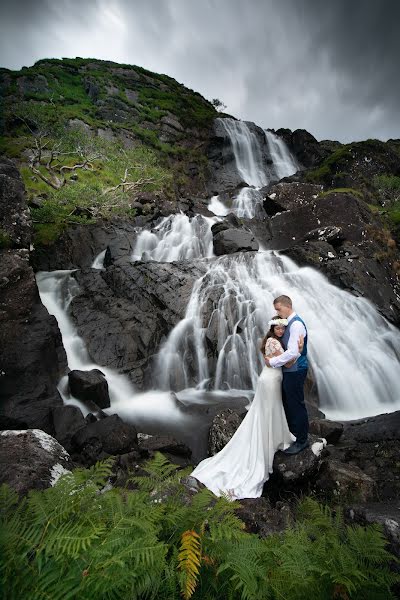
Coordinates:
<point>293,403</point>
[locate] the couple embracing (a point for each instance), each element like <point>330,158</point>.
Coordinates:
<point>277,418</point>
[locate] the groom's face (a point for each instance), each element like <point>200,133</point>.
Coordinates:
<point>282,310</point>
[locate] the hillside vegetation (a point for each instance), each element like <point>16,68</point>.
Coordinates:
<point>90,135</point>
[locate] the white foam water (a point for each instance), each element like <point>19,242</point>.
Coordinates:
<point>176,238</point>
<point>98,262</point>
<point>250,165</point>
<point>354,351</point>
<point>284,162</point>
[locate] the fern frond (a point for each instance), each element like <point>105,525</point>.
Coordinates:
<point>189,560</point>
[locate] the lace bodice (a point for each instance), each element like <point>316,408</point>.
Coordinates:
<point>272,345</point>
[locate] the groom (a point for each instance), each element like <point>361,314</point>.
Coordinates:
<point>294,376</point>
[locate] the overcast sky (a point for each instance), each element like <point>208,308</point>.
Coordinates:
<point>328,66</point>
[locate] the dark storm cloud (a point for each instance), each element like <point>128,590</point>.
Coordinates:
<point>330,67</point>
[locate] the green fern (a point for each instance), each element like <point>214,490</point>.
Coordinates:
<point>81,539</point>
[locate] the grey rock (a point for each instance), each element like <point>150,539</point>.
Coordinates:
<point>67,420</point>
<point>109,436</point>
<point>89,386</point>
<point>345,482</point>
<point>297,469</point>
<point>330,430</point>
<point>31,460</point>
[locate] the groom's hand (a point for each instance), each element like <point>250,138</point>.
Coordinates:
<point>267,361</point>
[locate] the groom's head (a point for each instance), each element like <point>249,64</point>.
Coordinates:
<point>283,306</point>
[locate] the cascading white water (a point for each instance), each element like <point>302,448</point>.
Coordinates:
<point>284,162</point>
<point>57,289</point>
<point>354,352</point>
<point>152,411</point>
<point>251,167</point>
<point>247,151</point>
<point>245,203</point>
<point>176,238</point>
<point>98,262</point>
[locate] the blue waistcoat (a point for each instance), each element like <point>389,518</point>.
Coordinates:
<point>301,362</point>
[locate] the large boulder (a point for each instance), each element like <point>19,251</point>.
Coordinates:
<point>89,386</point>
<point>285,196</point>
<point>230,236</point>
<point>344,482</point>
<point>372,445</point>
<point>260,517</point>
<point>107,437</point>
<point>31,459</point>
<point>384,514</point>
<point>294,471</point>
<point>67,420</point>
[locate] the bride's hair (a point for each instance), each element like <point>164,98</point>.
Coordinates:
<point>270,333</point>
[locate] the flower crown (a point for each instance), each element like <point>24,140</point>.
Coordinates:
<point>282,322</point>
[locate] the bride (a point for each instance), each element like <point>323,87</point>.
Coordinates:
<point>242,467</point>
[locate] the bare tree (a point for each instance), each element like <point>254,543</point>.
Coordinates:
<point>47,154</point>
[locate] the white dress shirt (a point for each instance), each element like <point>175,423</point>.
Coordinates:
<point>292,351</point>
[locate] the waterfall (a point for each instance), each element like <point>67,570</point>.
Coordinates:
<point>247,152</point>
<point>57,289</point>
<point>98,262</point>
<point>152,411</point>
<point>253,167</point>
<point>245,203</point>
<point>353,351</point>
<point>176,238</point>
<point>284,162</point>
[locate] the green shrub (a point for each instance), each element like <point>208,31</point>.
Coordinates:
<point>81,539</point>
<point>352,191</point>
<point>5,240</point>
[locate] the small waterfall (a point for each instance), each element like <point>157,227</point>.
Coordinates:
<point>176,238</point>
<point>153,411</point>
<point>245,203</point>
<point>354,352</point>
<point>98,262</point>
<point>217,207</point>
<point>284,162</point>
<point>253,167</point>
<point>57,289</point>
<point>247,151</point>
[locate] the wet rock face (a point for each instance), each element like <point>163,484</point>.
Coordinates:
<point>125,312</point>
<point>32,357</point>
<point>79,245</point>
<point>31,460</point>
<point>229,237</point>
<point>304,146</point>
<point>336,233</point>
<point>15,219</point>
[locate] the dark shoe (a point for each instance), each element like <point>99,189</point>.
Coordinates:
<point>296,447</point>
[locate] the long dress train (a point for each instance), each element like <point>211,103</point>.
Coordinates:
<point>242,467</point>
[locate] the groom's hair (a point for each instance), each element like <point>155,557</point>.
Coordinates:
<point>285,300</point>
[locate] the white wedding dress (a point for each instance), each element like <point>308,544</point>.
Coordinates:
<point>242,467</point>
